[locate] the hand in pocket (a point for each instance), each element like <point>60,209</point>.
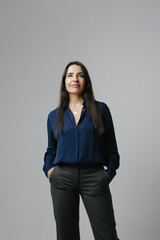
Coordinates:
<point>49,172</point>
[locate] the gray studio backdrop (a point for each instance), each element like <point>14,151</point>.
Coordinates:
<point>118,41</point>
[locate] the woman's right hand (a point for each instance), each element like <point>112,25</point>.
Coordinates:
<point>49,172</point>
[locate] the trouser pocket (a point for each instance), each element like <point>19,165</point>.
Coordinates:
<point>52,173</point>
<point>104,175</point>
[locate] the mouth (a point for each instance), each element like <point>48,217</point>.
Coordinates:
<point>75,85</point>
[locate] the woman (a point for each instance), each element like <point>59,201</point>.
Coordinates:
<point>81,141</point>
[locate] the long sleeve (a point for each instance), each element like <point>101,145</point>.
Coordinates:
<point>51,149</point>
<point>112,155</point>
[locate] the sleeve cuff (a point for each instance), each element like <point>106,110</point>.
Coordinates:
<point>111,174</point>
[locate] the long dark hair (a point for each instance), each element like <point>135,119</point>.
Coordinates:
<point>88,97</point>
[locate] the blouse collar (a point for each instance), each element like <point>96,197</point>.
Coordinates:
<point>83,103</point>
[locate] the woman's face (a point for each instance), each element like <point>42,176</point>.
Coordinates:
<point>74,81</point>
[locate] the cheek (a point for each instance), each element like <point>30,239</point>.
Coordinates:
<point>67,82</point>
<point>83,83</point>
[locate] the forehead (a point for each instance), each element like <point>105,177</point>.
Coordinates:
<point>74,68</point>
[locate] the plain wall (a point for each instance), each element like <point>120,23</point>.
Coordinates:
<point>118,42</point>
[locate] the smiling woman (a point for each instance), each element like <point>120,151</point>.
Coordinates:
<point>81,139</point>
<point>74,80</point>
<point>75,83</point>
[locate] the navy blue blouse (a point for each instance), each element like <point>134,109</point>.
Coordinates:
<point>80,144</point>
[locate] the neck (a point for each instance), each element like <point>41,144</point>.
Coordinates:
<point>75,100</point>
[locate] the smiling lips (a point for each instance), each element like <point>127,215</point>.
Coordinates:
<point>75,85</point>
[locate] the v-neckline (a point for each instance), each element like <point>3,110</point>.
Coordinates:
<point>74,117</point>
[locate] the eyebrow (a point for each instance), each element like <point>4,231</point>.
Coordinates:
<point>71,73</point>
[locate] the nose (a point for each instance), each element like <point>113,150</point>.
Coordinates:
<point>75,78</point>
